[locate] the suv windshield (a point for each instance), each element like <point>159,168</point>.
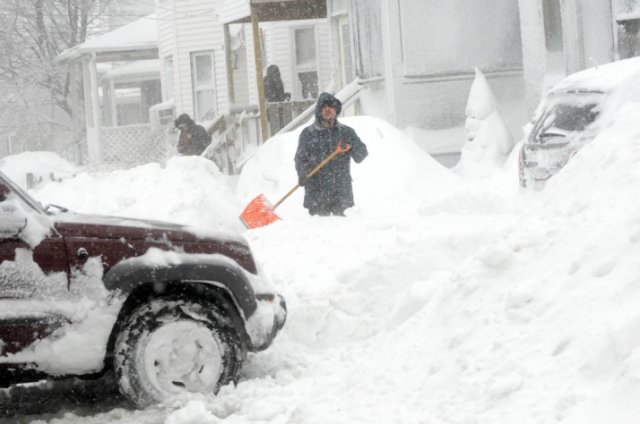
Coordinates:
<point>34,204</point>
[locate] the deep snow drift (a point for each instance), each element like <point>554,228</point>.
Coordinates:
<point>437,300</point>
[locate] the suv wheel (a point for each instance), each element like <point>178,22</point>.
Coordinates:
<point>171,346</point>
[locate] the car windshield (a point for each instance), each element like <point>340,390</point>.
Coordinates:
<point>572,117</point>
<point>567,115</point>
<point>33,203</point>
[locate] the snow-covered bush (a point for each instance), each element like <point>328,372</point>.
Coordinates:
<point>488,139</point>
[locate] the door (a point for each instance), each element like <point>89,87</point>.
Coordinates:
<point>33,271</point>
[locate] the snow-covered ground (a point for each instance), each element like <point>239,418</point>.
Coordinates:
<point>437,300</point>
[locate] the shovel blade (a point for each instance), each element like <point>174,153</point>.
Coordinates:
<point>258,213</point>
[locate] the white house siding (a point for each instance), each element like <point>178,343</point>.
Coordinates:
<point>431,50</point>
<point>587,39</point>
<point>233,10</point>
<point>185,27</point>
<point>597,32</point>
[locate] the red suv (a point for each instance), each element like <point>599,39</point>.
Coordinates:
<point>169,309</point>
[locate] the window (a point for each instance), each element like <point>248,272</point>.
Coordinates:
<point>169,89</point>
<point>346,57</point>
<point>366,21</point>
<point>203,78</point>
<point>306,63</point>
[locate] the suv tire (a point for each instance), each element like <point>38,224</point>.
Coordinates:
<point>170,346</point>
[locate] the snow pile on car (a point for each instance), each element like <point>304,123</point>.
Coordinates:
<point>42,165</point>
<point>187,190</point>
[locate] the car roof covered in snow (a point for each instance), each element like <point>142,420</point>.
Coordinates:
<point>599,79</point>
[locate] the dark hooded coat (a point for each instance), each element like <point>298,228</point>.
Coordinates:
<point>331,187</point>
<point>194,139</point>
<point>273,86</point>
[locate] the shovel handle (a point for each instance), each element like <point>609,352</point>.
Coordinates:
<point>325,161</point>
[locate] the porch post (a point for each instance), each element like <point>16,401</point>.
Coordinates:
<point>88,114</point>
<point>533,51</point>
<point>228,57</point>
<point>92,109</point>
<point>257,51</point>
<point>95,106</point>
<point>614,30</point>
<point>112,102</point>
<point>572,36</point>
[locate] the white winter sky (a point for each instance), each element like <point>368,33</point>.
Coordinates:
<point>437,299</point>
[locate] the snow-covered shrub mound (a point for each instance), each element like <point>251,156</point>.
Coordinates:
<point>187,190</point>
<point>488,139</point>
<point>396,176</point>
<point>42,165</point>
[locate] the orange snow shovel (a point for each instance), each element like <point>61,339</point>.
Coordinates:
<point>259,212</point>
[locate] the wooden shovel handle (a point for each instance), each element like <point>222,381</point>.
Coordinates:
<point>325,161</point>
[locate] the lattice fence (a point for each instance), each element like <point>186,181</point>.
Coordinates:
<point>134,145</point>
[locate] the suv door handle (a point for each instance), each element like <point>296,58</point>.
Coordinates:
<point>82,253</point>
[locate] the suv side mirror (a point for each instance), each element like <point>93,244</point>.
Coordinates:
<point>11,221</point>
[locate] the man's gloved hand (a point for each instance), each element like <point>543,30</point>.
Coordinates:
<point>343,147</point>
<point>302,181</point>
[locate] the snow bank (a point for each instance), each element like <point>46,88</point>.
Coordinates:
<point>42,165</point>
<point>434,300</point>
<point>396,172</point>
<point>187,190</point>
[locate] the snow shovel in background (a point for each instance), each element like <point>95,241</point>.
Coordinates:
<point>259,212</point>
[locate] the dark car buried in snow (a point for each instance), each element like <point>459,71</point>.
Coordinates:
<point>573,113</point>
<point>167,308</point>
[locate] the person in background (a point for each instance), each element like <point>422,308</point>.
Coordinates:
<point>329,191</point>
<point>273,86</point>
<point>274,93</point>
<point>194,139</point>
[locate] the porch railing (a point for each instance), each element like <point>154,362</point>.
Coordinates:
<point>133,145</point>
<point>233,136</point>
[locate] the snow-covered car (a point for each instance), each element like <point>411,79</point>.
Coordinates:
<point>167,308</point>
<point>571,114</point>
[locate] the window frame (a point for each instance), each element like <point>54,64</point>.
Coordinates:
<point>197,88</point>
<point>295,70</point>
<point>169,77</point>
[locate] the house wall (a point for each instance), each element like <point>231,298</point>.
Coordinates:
<point>194,26</point>
<point>597,32</point>
<point>586,36</point>
<point>185,27</point>
<point>431,50</point>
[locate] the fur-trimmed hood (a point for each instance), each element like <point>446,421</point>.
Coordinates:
<point>324,99</point>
